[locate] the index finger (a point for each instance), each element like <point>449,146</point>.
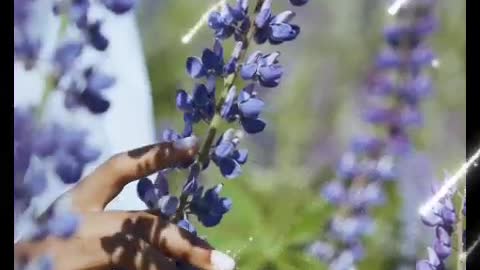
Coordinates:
<point>96,190</point>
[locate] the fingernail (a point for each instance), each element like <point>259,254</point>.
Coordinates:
<point>221,261</point>
<point>185,143</point>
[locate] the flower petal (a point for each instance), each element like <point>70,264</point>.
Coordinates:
<point>201,97</point>
<point>97,81</point>
<point>161,184</point>
<point>146,192</point>
<point>270,73</point>
<point>168,205</point>
<point>96,38</point>
<point>241,156</point>
<point>247,72</point>
<point>66,55</point>
<point>186,225</point>
<point>283,32</point>
<point>210,60</point>
<point>119,6</point>
<point>251,108</point>
<point>263,16</point>
<point>94,102</point>
<point>227,105</point>
<point>298,2</point>
<point>229,168</point>
<point>252,125</point>
<point>184,101</point>
<point>224,149</point>
<point>215,20</point>
<point>195,67</point>
<point>68,169</point>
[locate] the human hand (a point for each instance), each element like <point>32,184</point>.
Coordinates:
<point>134,240</point>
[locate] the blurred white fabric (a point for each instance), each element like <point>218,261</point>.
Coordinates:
<point>128,123</point>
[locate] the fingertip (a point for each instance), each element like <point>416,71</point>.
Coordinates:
<point>221,261</point>
<point>186,143</point>
<point>186,149</point>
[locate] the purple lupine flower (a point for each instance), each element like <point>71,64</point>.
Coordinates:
<point>32,145</point>
<point>321,250</point>
<point>26,45</point>
<point>199,106</point>
<point>209,207</point>
<point>72,155</point>
<point>231,21</point>
<point>227,157</point>
<point>87,91</point>
<point>66,55</point>
<point>369,163</point>
<point>28,183</point>
<point>119,6</point>
<point>68,147</point>
<point>156,195</point>
<point>27,50</point>
<point>246,108</point>
<point>192,184</point>
<point>264,68</point>
<point>95,36</point>
<point>211,63</point>
<point>334,192</point>
<point>298,2</point>
<point>75,10</point>
<point>442,219</point>
<point>276,29</point>
<point>433,262</point>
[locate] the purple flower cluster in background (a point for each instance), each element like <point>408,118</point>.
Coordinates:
<point>208,106</point>
<point>393,96</point>
<point>26,45</point>
<point>35,146</point>
<point>84,85</point>
<point>41,145</point>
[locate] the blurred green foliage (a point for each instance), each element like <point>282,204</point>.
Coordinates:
<point>276,204</point>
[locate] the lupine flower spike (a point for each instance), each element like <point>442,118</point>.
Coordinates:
<point>400,81</point>
<point>241,108</point>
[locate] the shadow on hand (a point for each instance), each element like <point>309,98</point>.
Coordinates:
<point>139,245</point>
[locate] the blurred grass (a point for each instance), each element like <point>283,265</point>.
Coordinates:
<point>276,203</point>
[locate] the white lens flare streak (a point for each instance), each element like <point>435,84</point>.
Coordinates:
<point>448,185</point>
<point>203,19</point>
<point>395,6</point>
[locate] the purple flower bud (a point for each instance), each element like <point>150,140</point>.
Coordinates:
<point>96,37</point>
<point>119,6</point>
<point>66,55</point>
<point>298,2</point>
<point>334,192</point>
<point>321,250</point>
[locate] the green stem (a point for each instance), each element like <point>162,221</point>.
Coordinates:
<point>50,79</point>
<point>229,81</point>
<point>48,89</point>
